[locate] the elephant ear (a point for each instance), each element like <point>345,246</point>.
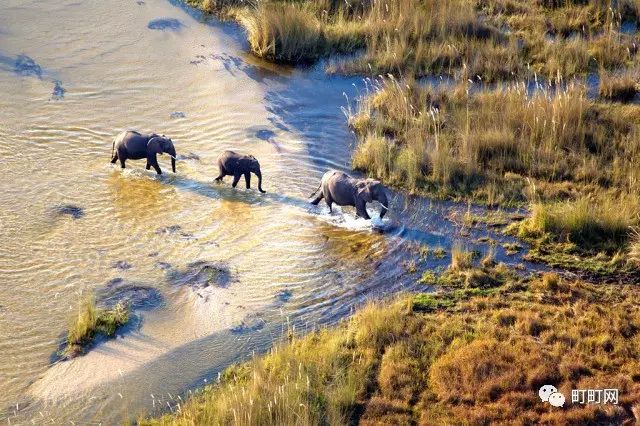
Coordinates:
<point>154,145</point>
<point>364,192</point>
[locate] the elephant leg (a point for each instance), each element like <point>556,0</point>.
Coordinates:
<point>222,173</point>
<point>329,202</point>
<point>153,162</point>
<point>122,160</point>
<point>236,179</point>
<point>115,158</point>
<point>316,200</point>
<point>247,180</point>
<point>363,214</point>
<point>361,210</point>
<point>148,166</point>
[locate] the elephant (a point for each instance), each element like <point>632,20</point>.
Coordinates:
<point>231,163</point>
<point>340,188</point>
<point>131,145</point>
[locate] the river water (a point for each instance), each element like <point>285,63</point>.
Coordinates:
<point>74,74</point>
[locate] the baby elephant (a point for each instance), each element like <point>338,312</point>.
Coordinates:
<point>237,165</point>
<point>342,189</point>
<point>131,145</point>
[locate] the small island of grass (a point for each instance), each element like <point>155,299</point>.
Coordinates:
<point>90,322</point>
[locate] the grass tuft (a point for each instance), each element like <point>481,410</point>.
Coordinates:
<point>284,32</point>
<point>596,224</point>
<point>91,321</point>
<point>621,88</point>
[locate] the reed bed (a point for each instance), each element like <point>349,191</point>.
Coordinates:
<point>604,223</point>
<point>495,39</point>
<point>494,143</point>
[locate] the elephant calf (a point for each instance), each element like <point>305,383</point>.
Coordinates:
<point>342,189</point>
<point>135,146</point>
<point>237,165</point>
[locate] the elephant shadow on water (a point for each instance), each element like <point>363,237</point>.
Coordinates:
<point>224,191</point>
<point>133,197</point>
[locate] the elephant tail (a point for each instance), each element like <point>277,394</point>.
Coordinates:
<point>113,146</point>
<point>316,191</point>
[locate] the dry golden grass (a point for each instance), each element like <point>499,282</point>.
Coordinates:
<point>461,259</point>
<point>600,223</point>
<point>462,357</point>
<point>222,8</point>
<point>284,32</point>
<point>494,39</point>
<point>497,145</point>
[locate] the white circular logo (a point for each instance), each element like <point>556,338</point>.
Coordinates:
<point>546,391</point>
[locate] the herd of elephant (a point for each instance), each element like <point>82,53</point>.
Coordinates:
<point>336,187</point>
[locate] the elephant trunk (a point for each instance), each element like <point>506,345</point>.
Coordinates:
<point>259,174</point>
<point>172,153</point>
<point>385,204</point>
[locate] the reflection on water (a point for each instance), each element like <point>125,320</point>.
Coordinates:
<point>74,224</point>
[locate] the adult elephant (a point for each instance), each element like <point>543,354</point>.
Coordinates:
<point>342,189</point>
<point>131,145</point>
<point>237,165</point>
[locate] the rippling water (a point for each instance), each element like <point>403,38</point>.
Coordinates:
<point>73,75</point>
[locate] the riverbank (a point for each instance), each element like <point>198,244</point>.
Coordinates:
<point>470,352</point>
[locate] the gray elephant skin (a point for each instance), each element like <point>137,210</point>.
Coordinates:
<point>237,165</point>
<point>340,188</point>
<point>131,145</point>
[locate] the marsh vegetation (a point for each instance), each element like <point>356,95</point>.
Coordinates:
<point>493,39</point>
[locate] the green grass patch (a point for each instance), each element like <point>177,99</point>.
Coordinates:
<point>427,302</point>
<point>463,274</point>
<point>91,321</point>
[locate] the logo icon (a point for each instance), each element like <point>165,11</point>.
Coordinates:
<point>550,394</point>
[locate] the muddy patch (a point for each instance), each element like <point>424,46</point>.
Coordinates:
<point>165,24</point>
<point>201,275</point>
<point>123,265</point>
<point>284,296</point>
<point>174,230</point>
<point>70,210</point>
<point>134,295</point>
<point>58,91</point>
<point>163,265</point>
<point>189,156</point>
<point>26,66</point>
<point>249,324</point>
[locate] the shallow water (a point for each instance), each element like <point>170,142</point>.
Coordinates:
<point>73,75</point>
